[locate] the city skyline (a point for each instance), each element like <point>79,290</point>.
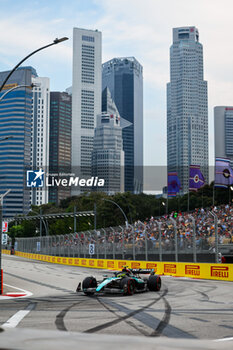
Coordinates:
<point>139,29</point>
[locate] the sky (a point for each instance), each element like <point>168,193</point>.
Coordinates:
<point>142,29</point>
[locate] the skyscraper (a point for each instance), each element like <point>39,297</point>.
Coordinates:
<point>123,77</point>
<point>59,141</point>
<point>40,134</point>
<point>86,96</point>
<point>15,153</point>
<point>108,155</point>
<point>187,106</point>
<point>223,132</point>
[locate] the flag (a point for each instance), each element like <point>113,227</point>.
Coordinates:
<point>196,179</point>
<point>173,185</point>
<point>223,173</point>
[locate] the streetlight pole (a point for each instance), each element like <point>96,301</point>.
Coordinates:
<point>176,243</point>
<point>216,234</point>
<point>16,87</point>
<point>146,240</point>
<point>56,41</point>
<point>1,272</point>
<point>126,220</point>
<point>159,224</point>
<point>194,239</point>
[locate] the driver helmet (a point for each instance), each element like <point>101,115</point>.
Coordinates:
<point>126,270</point>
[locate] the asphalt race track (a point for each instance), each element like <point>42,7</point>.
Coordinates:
<point>185,309</point>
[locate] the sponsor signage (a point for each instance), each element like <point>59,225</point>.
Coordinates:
<point>193,270</point>
<point>170,268</point>
<point>110,265</point>
<point>220,271</point>
<point>121,264</point>
<point>100,263</point>
<point>202,270</point>
<point>135,265</point>
<point>4,226</point>
<point>151,266</point>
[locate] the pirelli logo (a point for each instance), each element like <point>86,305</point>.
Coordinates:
<point>91,262</point>
<point>121,264</point>
<point>169,268</point>
<point>220,271</point>
<point>100,263</point>
<point>151,266</point>
<point>110,264</point>
<point>193,270</point>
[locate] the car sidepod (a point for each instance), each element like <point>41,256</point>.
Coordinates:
<point>104,283</point>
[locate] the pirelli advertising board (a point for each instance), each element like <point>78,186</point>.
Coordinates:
<point>222,272</point>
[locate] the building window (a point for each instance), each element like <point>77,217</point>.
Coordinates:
<point>88,38</point>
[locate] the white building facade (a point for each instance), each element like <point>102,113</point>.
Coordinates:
<point>223,132</point>
<point>187,106</point>
<point>40,134</point>
<point>86,97</point>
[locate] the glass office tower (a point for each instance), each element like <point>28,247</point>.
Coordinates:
<point>187,106</point>
<point>15,152</point>
<point>123,77</point>
<point>60,141</point>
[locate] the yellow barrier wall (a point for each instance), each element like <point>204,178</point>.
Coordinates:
<point>6,251</point>
<point>223,272</point>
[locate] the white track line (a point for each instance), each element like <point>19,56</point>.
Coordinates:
<point>15,319</point>
<point>28,294</point>
<point>224,339</point>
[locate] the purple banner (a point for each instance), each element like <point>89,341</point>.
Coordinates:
<point>196,179</point>
<point>223,173</point>
<point>173,184</point>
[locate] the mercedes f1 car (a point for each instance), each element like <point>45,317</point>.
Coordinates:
<point>126,282</point>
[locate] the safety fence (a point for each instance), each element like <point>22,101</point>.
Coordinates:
<point>164,240</point>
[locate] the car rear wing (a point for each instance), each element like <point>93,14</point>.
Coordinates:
<point>143,271</point>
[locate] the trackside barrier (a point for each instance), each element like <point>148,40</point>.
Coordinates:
<point>6,251</point>
<point>223,272</point>
<point>1,281</point>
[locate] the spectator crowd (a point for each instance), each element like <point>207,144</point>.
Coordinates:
<point>147,234</point>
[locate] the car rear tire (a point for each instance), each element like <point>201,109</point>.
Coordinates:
<point>154,283</point>
<point>89,282</point>
<point>128,286</point>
